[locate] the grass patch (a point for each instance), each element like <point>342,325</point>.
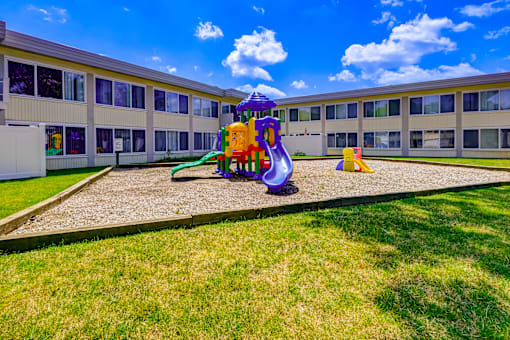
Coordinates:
<point>19,194</point>
<point>429,267</point>
<point>499,162</point>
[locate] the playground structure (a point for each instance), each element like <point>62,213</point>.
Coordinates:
<point>353,156</point>
<point>248,142</point>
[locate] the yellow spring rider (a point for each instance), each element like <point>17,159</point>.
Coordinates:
<point>353,156</point>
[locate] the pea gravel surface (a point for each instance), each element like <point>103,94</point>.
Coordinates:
<point>127,195</point>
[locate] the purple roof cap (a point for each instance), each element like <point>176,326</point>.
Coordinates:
<point>256,102</point>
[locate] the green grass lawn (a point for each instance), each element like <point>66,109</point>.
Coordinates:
<point>19,194</point>
<point>474,161</point>
<point>430,267</point>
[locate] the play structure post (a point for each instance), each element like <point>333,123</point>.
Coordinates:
<point>249,115</point>
<point>242,116</point>
<point>257,163</point>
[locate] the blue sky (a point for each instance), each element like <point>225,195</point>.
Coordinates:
<point>285,47</point>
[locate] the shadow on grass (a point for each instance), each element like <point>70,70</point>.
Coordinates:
<point>470,227</point>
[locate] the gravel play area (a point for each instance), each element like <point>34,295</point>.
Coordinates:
<point>140,194</point>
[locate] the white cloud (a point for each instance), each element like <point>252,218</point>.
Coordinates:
<point>406,44</point>
<point>486,9</point>
<point>345,75</point>
<point>126,9</point>
<point>254,51</point>
<point>210,74</point>
<point>208,31</point>
<point>473,57</point>
<point>52,14</point>
<point>499,33</point>
<point>156,59</point>
<point>462,27</point>
<point>259,9</point>
<point>507,57</point>
<point>385,17</point>
<point>170,69</point>
<point>299,84</point>
<point>196,67</point>
<point>269,91</point>
<point>414,73</point>
<point>393,3</point>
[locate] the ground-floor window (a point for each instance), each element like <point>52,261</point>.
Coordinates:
<point>342,140</point>
<point>170,141</point>
<point>486,138</point>
<point>381,140</point>
<point>65,140</point>
<point>432,139</point>
<point>203,140</point>
<point>133,140</point>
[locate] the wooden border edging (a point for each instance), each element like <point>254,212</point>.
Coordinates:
<point>14,221</point>
<point>458,165</point>
<point>24,242</point>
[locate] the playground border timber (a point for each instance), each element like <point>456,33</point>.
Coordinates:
<point>25,242</point>
<point>457,165</point>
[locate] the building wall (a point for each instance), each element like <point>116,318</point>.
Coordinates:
<point>44,110</point>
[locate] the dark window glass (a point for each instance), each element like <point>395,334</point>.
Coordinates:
<point>489,100</point>
<point>21,78</point>
<point>352,140</point>
<point>183,104</point>
<point>122,94</point>
<point>471,139</point>
<point>225,109</point>
<point>331,140</point>
<point>197,141</point>
<point>183,141</point>
<point>341,140</point>
<point>160,140</point>
<point>74,87</point>
<point>505,138</point>
<point>233,109</point>
<point>352,110</point>
<point>138,140</point>
<point>368,109</point>
<point>394,107</point>
<point>315,112</point>
<point>104,141</point>
<point>504,99</point>
<point>416,106</point>
<point>447,103</point>
<point>293,115</point>
<point>54,140</point>
<point>394,140</point>
<point>103,91</point>
<point>447,139</point>
<point>330,111</point>
<point>159,100</point>
<point>236,117</point>
<point>275,113</point>
<point>138,97</point>
<point>125,134</point>
<point>470,101</point>
<point>368,140</point>
<point>49,82</point>
<point>214,109</point>
<point>75,140</point>
<point>416,140</point>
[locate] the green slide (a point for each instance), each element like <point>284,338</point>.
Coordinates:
<point>201,161</point>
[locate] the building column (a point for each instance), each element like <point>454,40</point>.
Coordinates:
<point>458,123</point>
<point>404,137</point>
<point>149,138</point>
<point>323,131</point>
<point>3,89</point>
<point>91,126</point>
<point>360,124</point>
<point>286,121</point>
<point>191,139</point>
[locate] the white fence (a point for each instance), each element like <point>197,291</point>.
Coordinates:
<point>311,145</point>
<point>22,152</point>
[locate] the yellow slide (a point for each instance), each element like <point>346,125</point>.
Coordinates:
<point>363,166</point>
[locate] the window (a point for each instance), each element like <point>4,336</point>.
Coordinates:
<point>75,140</point>
<point>331,140</point>
<point>330,112</point>
<point>504,103</point>
<point>183,104</point>
<point>293,115</point>
<point>489,139</point>
<point>125,134</point>
<point>160,141</point>
<point>447,103</point>
<point>430,104</point>
<point>368,109</point>
<point>352,110</point>
<point>304,114</point>
<point>489,100</point>
<point>159,100</point>
<point>122,94</point>
<point>214,109</point>
<point>183,141</point>
<point>368,140</point>
<point>103,91</point>
<point>352,139</point>
<point>432,139</point>
<point>173,140</point>
<point>342,111</point>
<point>49,83</point>
<point>342,140</point>
<point>197,106</point>
<point>206,108</point>
<point>416,139</point>
<point>315,113</point>
<point>137,97</point>
<point>394,140</point>
<point>416,106</point>
<point>204,140</point>
<point>104,141</point>
<point>197,141</point>
<point>21,78</point>
<point>282,116</point>
<point>470,102</point>
<point>381,108</point>
<point>394,107</point>
<point>172,102</point>
<point>447,139</point>
<point>470,139</point>
<point>505,138</point>
<point>54,141</point>
<point>74,87</point>
<point>225,109</point>
<point>138,140</point>
<point>382,139</point>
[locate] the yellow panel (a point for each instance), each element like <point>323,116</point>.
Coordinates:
<point>386,123</point>
<point>205,124</point>
<point>66,163</point>
<point>433,121</point>
<point>104,115</point>
<point>334,152</point>
<point>40,110</point>
<point>342,125</point>
<point>171,121</point>
<point>489,119</point>
<point>311,127</point>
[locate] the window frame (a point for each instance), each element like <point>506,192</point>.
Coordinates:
<point>500,142</point>
<point>346,138</point>
<point>299,114</point>
<point>113,80</point>
<point>423,137</point>
<point>202,107</point>
<point>166,141</point>
<point>423,114</point>
<point>499,89</point>
<point>112,127</point>
<point>374,132</point>
<point>214,133</point>
<point>346,111</point>
<point>373,101</point>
